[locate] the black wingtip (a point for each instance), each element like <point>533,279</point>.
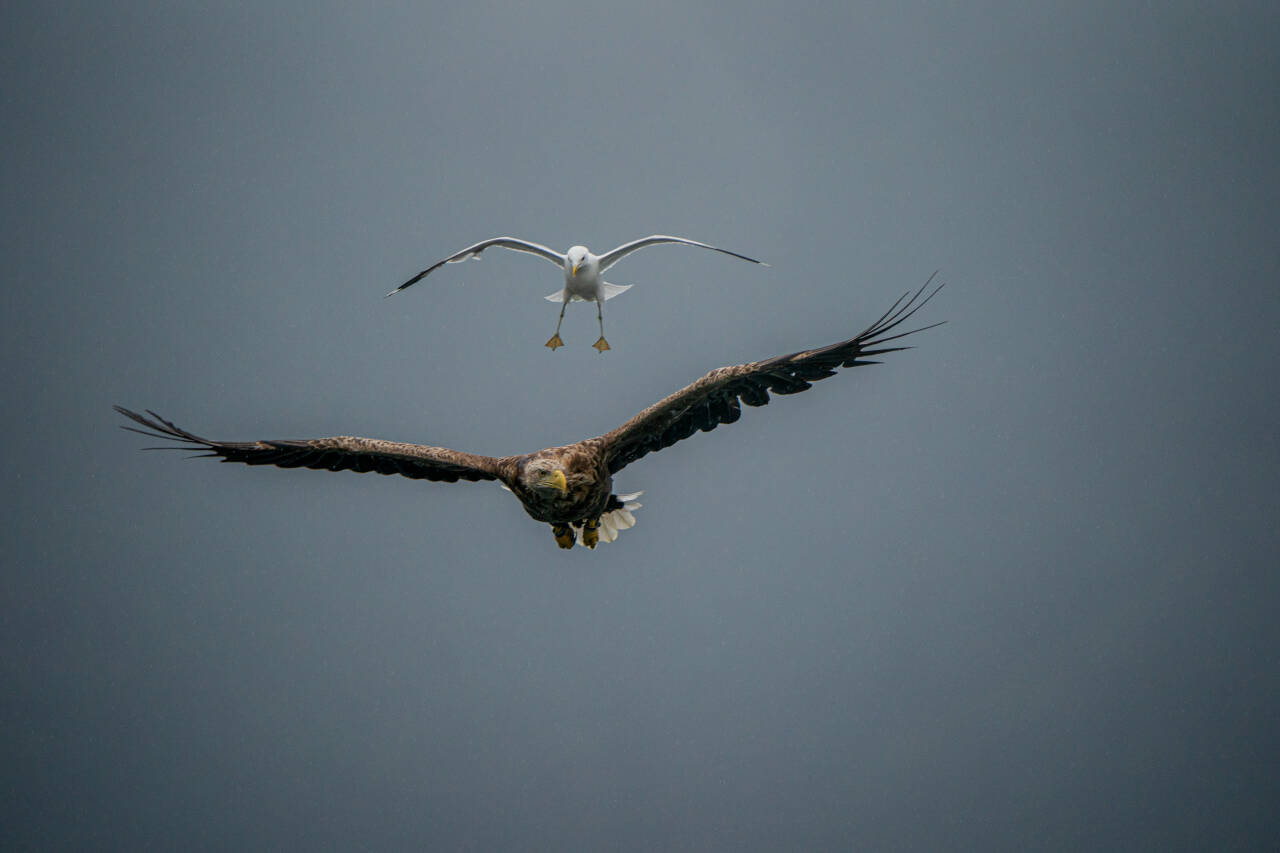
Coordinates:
<point>417,278</point>
<point>901,311</point>
<point>157,427</point>
<point>407,284</point>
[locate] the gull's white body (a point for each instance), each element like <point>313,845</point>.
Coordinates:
<point>582,282</point>
<point>582,271</point>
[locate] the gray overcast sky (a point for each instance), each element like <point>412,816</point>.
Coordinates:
<point>1014,589</point>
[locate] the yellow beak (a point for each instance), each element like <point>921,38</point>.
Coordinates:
<point>575,268</point>
<point>554,479</point>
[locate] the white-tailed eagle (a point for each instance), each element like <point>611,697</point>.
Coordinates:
<point>571,487</point>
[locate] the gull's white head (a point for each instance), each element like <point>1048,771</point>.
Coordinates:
<point>577,257</point>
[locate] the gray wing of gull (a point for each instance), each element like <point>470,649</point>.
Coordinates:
<point>513,243</point>
<point>612,256</point>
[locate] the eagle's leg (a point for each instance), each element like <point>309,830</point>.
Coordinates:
<point>600,345</point>
<point>564,535</point>
<point>556,342</point>
<point>591,532</point>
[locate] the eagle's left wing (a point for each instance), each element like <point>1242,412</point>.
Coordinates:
<point>341,453</point>
<point>714,399</point>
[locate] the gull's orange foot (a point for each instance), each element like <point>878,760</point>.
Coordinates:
<point>600,345</point>
<point>555,341</point>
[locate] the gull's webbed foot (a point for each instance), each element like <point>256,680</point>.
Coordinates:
<point>555,341</point>
<point>591,533</point>
<point>600,345</point>
<point>564,535</point>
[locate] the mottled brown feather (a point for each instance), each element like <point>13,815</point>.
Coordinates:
<point>715,398</point>
<point>340,453</point>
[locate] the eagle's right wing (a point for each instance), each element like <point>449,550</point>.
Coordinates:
<point>343,453</point>
<point>714,399</point>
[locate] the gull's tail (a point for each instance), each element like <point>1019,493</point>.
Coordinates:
<point>610,291</point>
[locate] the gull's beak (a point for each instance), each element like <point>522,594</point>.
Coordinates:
<point>554,480</point>
<point>575,268</point>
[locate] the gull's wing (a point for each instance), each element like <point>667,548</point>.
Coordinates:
<point>343,453</point>
<point>512,243</point>
<point>612,256</point>
<point>714,399</point>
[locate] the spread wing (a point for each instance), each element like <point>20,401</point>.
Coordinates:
<point>343,453</point>
<point>714,399</point>
<point>512,243</point>
<point>612,256</point>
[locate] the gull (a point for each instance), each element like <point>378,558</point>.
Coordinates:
<point>582,271</point>
<point>571,487</point>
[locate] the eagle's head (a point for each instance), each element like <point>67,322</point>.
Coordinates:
<point>544,477</point>
<point>578,259</point>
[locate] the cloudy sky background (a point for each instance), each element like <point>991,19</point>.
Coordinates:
<point>1013,589</point>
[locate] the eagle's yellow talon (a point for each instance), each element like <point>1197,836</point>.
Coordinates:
<point>555,342</point>
<point>600,345</point>
<point>564,535</point>
<point>591,533</point>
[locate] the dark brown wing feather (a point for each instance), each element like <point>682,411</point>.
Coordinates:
<point>714,399</point>
<point>343,453</point>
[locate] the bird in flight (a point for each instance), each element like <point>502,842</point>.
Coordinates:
<point>582,271</point>
<point>571,487</point>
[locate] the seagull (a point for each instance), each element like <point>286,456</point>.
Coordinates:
<point>582,271</point>
<point>571,487</point>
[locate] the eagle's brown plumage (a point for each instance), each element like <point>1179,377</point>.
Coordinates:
<point>571,487</point>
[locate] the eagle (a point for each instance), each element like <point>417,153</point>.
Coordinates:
<point>571,487</point>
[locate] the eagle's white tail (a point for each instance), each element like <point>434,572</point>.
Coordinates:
<point>611,523</point>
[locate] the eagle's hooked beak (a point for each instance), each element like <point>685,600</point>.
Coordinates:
<point>553,480</point>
